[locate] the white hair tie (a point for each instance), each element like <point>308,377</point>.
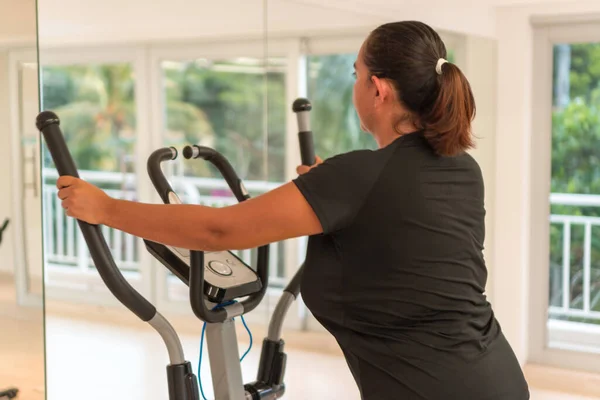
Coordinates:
<point>438,67</point>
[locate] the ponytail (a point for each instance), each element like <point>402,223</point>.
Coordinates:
<point>447,125</point>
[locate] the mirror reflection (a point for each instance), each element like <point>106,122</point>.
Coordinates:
<point>183,74</point>
<point>21,272</point>
<point>172,73</point>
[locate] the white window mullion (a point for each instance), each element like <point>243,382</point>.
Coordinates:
<point>142,151</point>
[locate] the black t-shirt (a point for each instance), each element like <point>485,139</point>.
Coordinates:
<point>398,275</point>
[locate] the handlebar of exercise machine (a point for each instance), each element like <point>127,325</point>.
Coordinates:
<point>197,257</point>
<point>48,124</point>
<point>183,384</point>
<point>195,277</point>
<point>302,108</point>
<point>3,228</point>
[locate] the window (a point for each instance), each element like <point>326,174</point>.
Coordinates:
<point>117,106</point>
<point>575,202</point>
<point>221,104</point>
<point>96,105</point>
<point>565,197</point>
<point>334,119</point>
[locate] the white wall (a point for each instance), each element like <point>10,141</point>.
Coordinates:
<point>17,21</point>
<point>73,22</point>
<point>479,65</point>
<point>17,29</point>
<point>64,22</point>
<point>460,16</point>
<point>513,149</point>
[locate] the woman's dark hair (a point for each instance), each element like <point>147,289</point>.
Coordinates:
<point>442,105</point>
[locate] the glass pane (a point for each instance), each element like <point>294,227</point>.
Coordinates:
<point>29,104</point>
<point>22,353</point>
<point>221,104</point>
<point>106,94</point>
<point>96,105</point>
<point>575,201</point>
<point>333,117</point>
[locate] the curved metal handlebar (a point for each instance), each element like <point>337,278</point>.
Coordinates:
<point>157,177</point>
<point>197,257</point>
<point>218,160</point>
<point>48,124</point>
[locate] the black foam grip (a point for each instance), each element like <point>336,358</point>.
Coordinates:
<point>197,272</point>
<point>3,228</point>
<point>48,124</point>
<point>262,269</point>
<point>307,148</point>
<point>158,178</point>
<point>224,167</point>
<point>294,286</point>
<point>197,291</point>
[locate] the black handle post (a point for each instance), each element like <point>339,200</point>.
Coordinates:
<point>307,151</point>
<point>3,228</point>
<point>48,124</point>
<point>294,286</point>
<point>197,257</point>
<point>197,291</point>
<point>157,177</point>
<point>218,160</point>
<point>182,382</point>
<point>302,109</point>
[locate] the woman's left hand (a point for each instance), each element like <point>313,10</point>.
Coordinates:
<point>82,200</point>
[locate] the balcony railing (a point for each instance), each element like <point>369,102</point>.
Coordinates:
<point>578,287</point>
<point>66,250</point>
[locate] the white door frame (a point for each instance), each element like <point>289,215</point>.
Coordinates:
<point>546,35</point>
<point>21,267</point>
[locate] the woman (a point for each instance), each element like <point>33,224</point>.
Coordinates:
<point>394,267</point>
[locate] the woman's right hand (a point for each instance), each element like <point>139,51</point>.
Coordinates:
<point>302,169</point>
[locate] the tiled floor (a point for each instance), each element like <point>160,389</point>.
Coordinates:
<point>99,354</point>
<point>129,363</point>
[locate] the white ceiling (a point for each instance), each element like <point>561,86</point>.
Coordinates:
<point>83,22</point>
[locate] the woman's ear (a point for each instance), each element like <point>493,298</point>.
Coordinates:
<point>376,81</point>
<point>383,88</point>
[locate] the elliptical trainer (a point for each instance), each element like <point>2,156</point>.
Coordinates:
<point>216,279</point>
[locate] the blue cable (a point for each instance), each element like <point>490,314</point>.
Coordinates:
<point>200,361</point>
<point>249,334</point>
<point>202,344</point>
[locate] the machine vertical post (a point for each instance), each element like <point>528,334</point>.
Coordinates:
<point>225,364</point>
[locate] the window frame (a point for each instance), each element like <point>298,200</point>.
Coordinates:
<point>136,56</point>
<point>547,33</point>
<point>146,60</point>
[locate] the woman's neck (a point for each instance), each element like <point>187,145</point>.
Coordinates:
<point>388,136</point>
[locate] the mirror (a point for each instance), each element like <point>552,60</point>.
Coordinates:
<point>21,272</point>
<point>126,80</point>
<point>219,74</point>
